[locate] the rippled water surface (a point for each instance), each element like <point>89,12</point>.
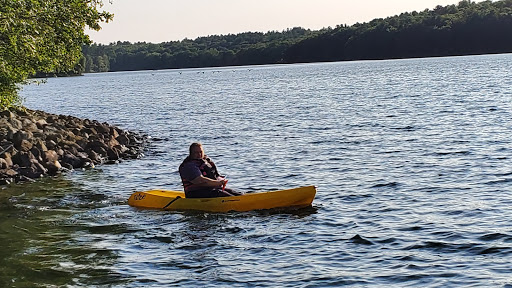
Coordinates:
<point>411,158</point>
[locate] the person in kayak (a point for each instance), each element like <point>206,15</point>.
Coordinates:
<point>200,176</point>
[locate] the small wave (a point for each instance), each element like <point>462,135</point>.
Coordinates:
<point>291,176</point>
<point>503,174</point>
<point>356,197</point>
<point>232,230</point>
<point>452,153</point>
<point>412,228</point>
<point>419,277</point>
<point>495,236</point>
<point>386,185</point>
<point>406,128</point>
<point>163,239</point>
<point>317,142</point>
<point>501,181</point>
<point>160,139</point>
<point>442,246</point>
<point>496,250</point>
<point>360,240</point>
<point>472,248</point>
<point>388,240</point>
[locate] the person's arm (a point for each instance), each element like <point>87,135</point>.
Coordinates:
<point>207,182</point>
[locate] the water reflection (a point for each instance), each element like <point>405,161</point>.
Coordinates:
<point>62,230</point>
<point>41,241</point>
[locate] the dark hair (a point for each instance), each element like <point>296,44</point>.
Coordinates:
<point>195,144</point>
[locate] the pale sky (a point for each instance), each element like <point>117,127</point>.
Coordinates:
<point>170,20</point>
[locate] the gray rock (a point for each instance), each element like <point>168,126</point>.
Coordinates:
<point>30,172</point>
<point>50,156</point>
<point>29,125</point>
<point>23,159</point>
<point>15,123</point>
<point>8,159</point>
<point>123,139</point>
<point>9,173</point>
<point>53,167</point>
<point>112,154</point>
<point>21,135</point>
<point>95,157</point>
<point>51,145</point>
<point>23,145</point>
<point>41,123</point>
<point>40,145</point>
<point>6,114</point>
<point>35,143</point>
<point>3,164</point>
<point>72,160</point>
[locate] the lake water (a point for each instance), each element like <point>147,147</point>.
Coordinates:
<point>412,160</point>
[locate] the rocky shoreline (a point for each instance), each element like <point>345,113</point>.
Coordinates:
<point>35,143</point>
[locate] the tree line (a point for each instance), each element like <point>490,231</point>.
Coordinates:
<point>219,50</point>
<point>463,29</point>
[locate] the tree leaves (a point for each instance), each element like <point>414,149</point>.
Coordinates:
<point>42,35</point>
<point>216,50</point>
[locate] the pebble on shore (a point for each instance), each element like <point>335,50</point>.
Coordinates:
<point>35,143</point>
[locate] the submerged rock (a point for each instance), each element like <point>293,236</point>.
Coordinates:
<point>35,143</point>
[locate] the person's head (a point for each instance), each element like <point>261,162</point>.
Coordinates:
<point>196,151</point>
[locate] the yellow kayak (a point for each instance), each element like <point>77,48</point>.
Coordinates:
<point>176,201</point>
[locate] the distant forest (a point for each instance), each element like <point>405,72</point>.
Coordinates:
<point>464,29</point>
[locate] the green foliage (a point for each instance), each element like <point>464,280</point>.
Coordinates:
<point>217,50</point>
<point>463,29</point>
<point>466,28</point>
<point>44,36</point>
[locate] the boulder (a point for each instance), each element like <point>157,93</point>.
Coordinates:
<point>10,132</point>
<point>113,132</point>
<point>51,145</point>
<point>19,136</point>
<point>15,123</point>
<point>123,139</point>
<point>41,123</point>
<point>102,128</point>
<point>95,157</point>
<point>97,146</point>
<point>55,137</point>
<point>89,130</point>
<point>24,145</point>
<point>3,164</point>
<point>50,156</point>
<point>29,125</point>
<point>23,159</point>
<point>30,172</point>
<point>53,167</point>
<point>6,114</point>
<point>8,159</point>
<point>112,154</point>
<point>51,118</point>
<point>41,145</point>
<point>9,173</point>
<point>38,155</point>
<point>72,160</point>
<point>112,142</point>
<point>35,143</point>
<point>38,167</point>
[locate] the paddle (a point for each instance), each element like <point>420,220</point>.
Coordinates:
<point>224,185</point>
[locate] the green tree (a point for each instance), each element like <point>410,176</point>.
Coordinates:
<point>42,35</point>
